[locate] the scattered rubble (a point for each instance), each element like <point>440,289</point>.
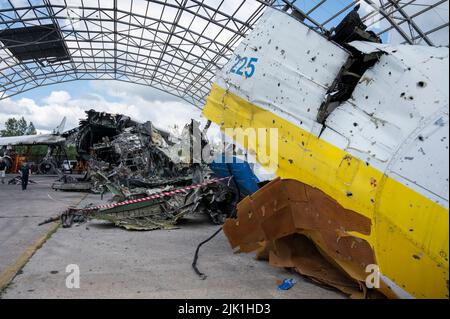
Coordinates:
<point>17,180</point>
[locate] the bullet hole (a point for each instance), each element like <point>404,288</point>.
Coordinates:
<point>373,182</point>
<point>291,161</point>
<point>274,122</point>
<point>54,272</point>
<point>421,84</point>
<point>309,110</point>
<point>313,59</point>
<point>411,98</point>
<point>355,124</point>
<point>367,97</point>
<point>411,230</point>
<point>417,257</point>
<point>349,194</point>
<point>421,138</point>
<point>279,84</point>
<point>276,48</point>
<point>403,94</point>
<point>283,52</point>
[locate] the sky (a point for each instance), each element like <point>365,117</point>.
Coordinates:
<point>47,106</point>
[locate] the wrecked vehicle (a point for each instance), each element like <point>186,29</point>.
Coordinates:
<point>127,152</point>
<point>363,122</point>
<point>135,161</point>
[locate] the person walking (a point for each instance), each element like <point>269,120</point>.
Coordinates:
<point>2,170</point>
<point>25,173</point>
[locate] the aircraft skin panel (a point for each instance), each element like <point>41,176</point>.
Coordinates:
<point>394,208</point>
<point>362,157</point>
<point>43,139</point>
<point>397,119</point>
<point>264,55</point>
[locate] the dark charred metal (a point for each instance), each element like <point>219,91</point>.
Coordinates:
<point>135,160</point>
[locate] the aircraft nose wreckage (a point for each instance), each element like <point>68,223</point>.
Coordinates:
<point>155,178</point>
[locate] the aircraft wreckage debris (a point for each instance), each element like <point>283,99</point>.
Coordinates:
<point>294,225</point>
<point>137,214</point>
<point>155,178</point>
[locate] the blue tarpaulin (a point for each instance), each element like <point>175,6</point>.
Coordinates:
<point>245,179</point>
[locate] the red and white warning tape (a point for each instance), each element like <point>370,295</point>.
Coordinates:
<point>159,195</point>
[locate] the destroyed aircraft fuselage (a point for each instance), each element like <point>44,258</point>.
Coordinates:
<point>134,160</point>
<point>372,135</point>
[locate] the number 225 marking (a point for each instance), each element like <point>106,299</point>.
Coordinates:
<point>244,62</point>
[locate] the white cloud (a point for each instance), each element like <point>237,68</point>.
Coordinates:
<point>58,97</point>
<point>140,103</point>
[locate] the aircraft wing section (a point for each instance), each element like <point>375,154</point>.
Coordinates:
<point>44,139</point>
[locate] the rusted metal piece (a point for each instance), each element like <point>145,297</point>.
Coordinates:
<point>297,226</point>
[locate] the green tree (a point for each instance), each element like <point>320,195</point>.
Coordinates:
<point>71,151</point>
<point>22,126</point>
<point>14,127</point>
<point>10,128</point>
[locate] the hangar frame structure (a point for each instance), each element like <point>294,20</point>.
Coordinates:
<point>172,45</point>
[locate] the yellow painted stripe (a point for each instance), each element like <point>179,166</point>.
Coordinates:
<point>410,233</point>
<point>9,273</point>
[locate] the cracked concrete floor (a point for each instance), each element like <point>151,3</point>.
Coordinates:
<point>115,263</point>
